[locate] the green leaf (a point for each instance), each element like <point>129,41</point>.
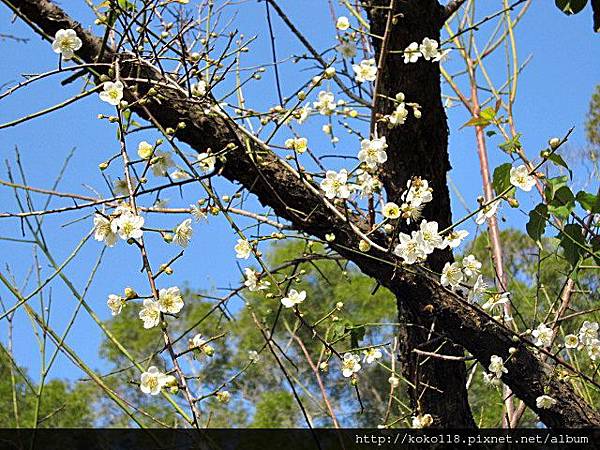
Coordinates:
<point>501,178</point>
<point>571,240</point>
<point>537,222</point>
<point>559,161</point>
<point>553,185</point>
<point>570,6</point>
<point>562,203</point>
<point>486,117</point>
<point>589,202</point>
<point>513,144</point>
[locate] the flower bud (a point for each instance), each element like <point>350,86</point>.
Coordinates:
<point>554,143</point>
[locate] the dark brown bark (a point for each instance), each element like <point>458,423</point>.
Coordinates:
<point>261,172</point>
<point>419,148</point>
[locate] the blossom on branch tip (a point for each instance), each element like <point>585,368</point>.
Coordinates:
<point>293,298</point>
<point>366,70</point>
<point>243,249</point>
<point>103,231</point>
<point>128,226</point>
<point>112,92</point>
<point>183,233</point>
<point>152,381</point>
<point>66,42</point>
<point>519,177</point>
<point>350,364</point>
<point>150,313</point>
<point>170,300</point>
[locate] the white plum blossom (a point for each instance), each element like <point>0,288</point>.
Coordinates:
<point>183,233</point>
<point>452,275</point>
<point>479,287</point>
<point>545,402</point>
<point>394,381</point>
<point>112,92</point>
<point>170,300</point>
<point>419,192</point>
<point>398,116</point>
<point>412,53</point>
<point>303,114</point>
<point>571,341</point>
<point>588,332</point>
<point>253,356</point>
<point>409,248</point>
<point>455,238</point>
<point>297,144</point>
<point>115,303</point>
<point>223,396</point>
<point>103,231</point>
<point>66,42</point>
<point>487,212</point>
<point>429,238</point>
<point>496,299</point>
<point>252,282</point>
<point>161,163</point>
<point>593,349</point>
<point>145,150</point>
<point>350,364</point>
<point>543,335</point>
<point>496,366</point>
<point>325,103</point>
<point>422,421</point>
<point>372,152</point>
<point>471,266</point>
<point>342,23</point>
<point>180,175</point>
<point>335,184</point>
<point>347,49</point>
<point>519,177</point>
<point>128,226</point>
<point>293,298</point>
<point>150,313</point>
<point>242,249</point>
<point>429,48</point>
<point>410,212</point>
<point>372,355</point>
<point>366,70</point>
<point>442,56</point>
<point>367,183</point>
<point>390,210</point>
<point>152,381</point>
<point>197,213</point>
<point>199,89</point>
<point>207,162</point>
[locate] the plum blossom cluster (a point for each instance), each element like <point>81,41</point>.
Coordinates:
<point>169,301</point>
<point>123,223</point>
<point>401,111</point>
<point>586,339</point>
<point>428,50</point>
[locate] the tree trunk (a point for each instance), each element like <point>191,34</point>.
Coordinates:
<point>419,148</point>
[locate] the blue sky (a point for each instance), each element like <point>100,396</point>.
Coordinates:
<point>554,91</point>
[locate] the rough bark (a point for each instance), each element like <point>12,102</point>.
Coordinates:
<point>275,184</point>
<point>419,148</point>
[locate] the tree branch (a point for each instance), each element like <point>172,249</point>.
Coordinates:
<point>276,184</point>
